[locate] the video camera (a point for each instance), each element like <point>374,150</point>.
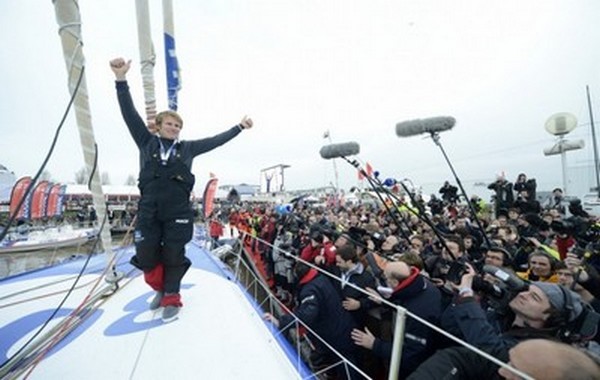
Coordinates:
<point>376,237</point>
<point>498,295</point>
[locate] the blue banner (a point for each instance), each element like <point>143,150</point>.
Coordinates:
<point>172,65</point>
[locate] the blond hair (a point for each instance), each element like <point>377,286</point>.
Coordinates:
<point>161,115</point>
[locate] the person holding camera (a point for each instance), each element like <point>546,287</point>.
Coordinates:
<point>449,193</point>
<point>527,185</point>
<point>582,278</point>
<point>544,310</point>
<point>318,251</point>
<point>503,191</point>
<point>555,201</point>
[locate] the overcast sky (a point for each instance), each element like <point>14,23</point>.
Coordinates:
<point>299,68</point>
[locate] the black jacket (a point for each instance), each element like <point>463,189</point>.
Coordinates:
<point>422,298</point>
<point>320,308</point>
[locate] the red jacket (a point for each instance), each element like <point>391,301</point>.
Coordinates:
<point>309,253</point>
<point>216,228</point>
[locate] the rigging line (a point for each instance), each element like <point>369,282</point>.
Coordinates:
<point>65,327</point>
<point>46,295</point>
<point>139,354</point>
<point>50,284</point>
<point>2,306</point>
<point>81,305</point>
<point>53,314</point>
<point>401,309</point>
<point>48,155</point>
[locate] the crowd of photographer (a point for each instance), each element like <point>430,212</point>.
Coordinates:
<point>515,273</point>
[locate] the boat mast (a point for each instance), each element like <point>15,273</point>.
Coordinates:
<point>69,23</point>
<point>596,169</point>
<point>147,59</point>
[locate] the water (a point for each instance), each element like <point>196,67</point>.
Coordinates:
<point>15,263</point>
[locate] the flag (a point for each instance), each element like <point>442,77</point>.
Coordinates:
<point>171,62</point>
<point>52,201</point>
<point>209,196</point>
<point>368,169</point>
<point>17,194</point>
<point>38,200</point>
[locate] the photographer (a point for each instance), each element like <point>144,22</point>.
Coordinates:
<point>282,264</point>
<point>554,202</point>
<point>318,251</point>
<point>504,197</point>
<point>525,204</point>
<point>528,185</point>
<point>581,277</point>
<point>448,193</point>
<point>542,311</point>
<point>438,265</point>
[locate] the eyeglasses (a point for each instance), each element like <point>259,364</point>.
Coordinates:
<point>540,263</point>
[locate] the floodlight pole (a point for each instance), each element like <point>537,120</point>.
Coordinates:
<point>596,169</point>
<point>563,161</point>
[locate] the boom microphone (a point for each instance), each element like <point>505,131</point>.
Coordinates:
<point>339,150</point>
<point>429,125</point>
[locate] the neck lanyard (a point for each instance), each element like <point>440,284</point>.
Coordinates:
<point>166,154</point>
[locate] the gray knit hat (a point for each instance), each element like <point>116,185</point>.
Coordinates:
<point>557,298</point>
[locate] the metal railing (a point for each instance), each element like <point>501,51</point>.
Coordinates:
<point>244,269</point>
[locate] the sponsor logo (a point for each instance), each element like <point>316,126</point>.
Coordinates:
<point>182,221</point>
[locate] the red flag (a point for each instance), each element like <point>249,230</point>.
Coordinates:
<point>52,202</point>
<point>209,196</point>
<point>18,192</point>
<point>368,169</point>
<point>38,200</point>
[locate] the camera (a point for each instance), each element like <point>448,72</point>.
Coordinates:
<point>563,227</point>
<point>456,270</point>
<point>498,295</point>
<point>362,234</point>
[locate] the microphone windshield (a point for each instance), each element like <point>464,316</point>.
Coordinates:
<point>339,150</point>
<point>429,125</point>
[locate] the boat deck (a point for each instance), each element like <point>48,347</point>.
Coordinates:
<point>219,334</point>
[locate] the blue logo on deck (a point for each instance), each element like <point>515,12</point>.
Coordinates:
<point>17,330</point>
<point>127,324</point>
